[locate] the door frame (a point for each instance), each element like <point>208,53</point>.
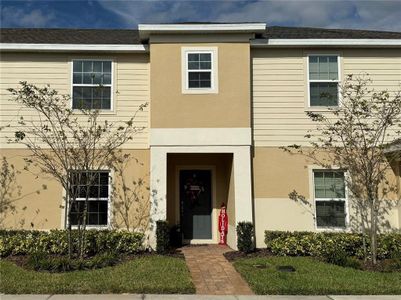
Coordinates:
<point>214,213</point>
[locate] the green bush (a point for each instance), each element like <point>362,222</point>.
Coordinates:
<point>22,242</point>
<point>245,234</point>
<point>162,237</point>
<point>323,244</point>
<point>40,261</point>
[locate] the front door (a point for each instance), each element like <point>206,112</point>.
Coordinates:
<point>196,204</point>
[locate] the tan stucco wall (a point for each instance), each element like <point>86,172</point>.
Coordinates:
<point>280,94</point>
<point>277,173</point>
<point>230,107</point>
<point>43,209</point>
<point>130,84</point>
<point>221,165</point>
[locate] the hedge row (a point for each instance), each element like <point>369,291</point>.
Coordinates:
<point>21,242</point>
<point>322,244</point>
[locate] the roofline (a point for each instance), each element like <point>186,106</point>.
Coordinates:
<point>73,47</point>
<point>146,29</point>
<point>325,42</point>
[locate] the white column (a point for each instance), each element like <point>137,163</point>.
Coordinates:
<point>158,190</point>
<point>242,186</point>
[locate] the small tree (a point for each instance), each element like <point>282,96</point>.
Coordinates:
<point>354,137</point>
<point>69,145</point>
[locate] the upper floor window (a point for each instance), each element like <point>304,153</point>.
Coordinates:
<point>92,84</point>
<point>95,186</point>
<point>200,70</point>
<point>323,80</point>
<point>330,198</point>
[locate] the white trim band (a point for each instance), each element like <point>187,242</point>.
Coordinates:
<point>146,29</point>
<point>326,42</point>
<point>200,137</point>
<point>72,47</point>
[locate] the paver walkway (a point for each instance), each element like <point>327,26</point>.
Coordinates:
<point>211,273</point>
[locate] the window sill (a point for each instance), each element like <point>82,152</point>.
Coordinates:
<point>101,112</point>
<point>331,229</point>
<point>321,108</point>
<point>199,91</point>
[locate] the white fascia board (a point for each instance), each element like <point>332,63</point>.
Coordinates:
<point>72,47</point>
<point>326,42</point>
<point>146,29</point>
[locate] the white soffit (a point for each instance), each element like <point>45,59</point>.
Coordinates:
<point>326,42</point>
<point>146,29</point>
<point>72,47</point>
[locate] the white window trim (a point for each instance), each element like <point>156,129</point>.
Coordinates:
<point>309,81</point>
<point>111,85</point>
<point>214,70</point>
<point>312,170</point>
<point>109,204</point>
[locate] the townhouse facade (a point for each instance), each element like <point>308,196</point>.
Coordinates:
<point>223,99</point>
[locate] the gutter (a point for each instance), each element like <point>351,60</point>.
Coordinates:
<point>19,47</point>
<point>262,43</point>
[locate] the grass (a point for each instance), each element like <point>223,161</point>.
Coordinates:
<point>148,274</point>
<point>313,277</point>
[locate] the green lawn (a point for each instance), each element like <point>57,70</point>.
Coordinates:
<point>314,278</point>
<point>147,274</point>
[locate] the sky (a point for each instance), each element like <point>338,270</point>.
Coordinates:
<point>356,14</point>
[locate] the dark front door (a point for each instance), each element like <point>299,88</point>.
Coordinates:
<point>196,204</point>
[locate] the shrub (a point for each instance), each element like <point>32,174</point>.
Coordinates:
<point>162,237</point>
<point>324,244</point>
<point>40,261</point>
<point>55,242</point>
<point>245,234</point>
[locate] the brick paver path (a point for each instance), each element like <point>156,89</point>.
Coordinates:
<point>211,273</point>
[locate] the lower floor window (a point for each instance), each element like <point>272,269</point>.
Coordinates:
<point>330,213</point>
<point>330,198</point>
<point>93,186</point>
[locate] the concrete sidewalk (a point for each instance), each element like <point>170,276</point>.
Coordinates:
<point>189,297</point>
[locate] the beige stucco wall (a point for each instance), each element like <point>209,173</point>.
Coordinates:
<point>130,84</point>
<point>277,173</point>
<point>279,87</point>
<point>44,210</point>
<point>230,107</point>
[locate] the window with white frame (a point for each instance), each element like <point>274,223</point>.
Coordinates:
<point>330,198</point>
<point>324,80</point>
<point>199,70</point>
<point>92,84</point>
<point>95,187</point>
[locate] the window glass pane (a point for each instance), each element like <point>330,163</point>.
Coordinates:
<point>323,94</point>
<point>87,103</point>
<point>323,68</point>
<point>97,66</point>
<point>77,66</point>
<point>193,57</point>
<point>97,78</point>
<point>199,80</point>
<point>87,78</point>
<point>106,78</point>
<point>77,78</point>
<point>206,57</point>
<point>330,213</point>
<point>107,66</point>
<point>193,65</point>
<point>87,66</point>
<point>329,184</point>
<point>205,65</point>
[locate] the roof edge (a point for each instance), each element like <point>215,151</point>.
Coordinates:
<point>146,29</point>
<point>261,43</point>
<point>73,47</point>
